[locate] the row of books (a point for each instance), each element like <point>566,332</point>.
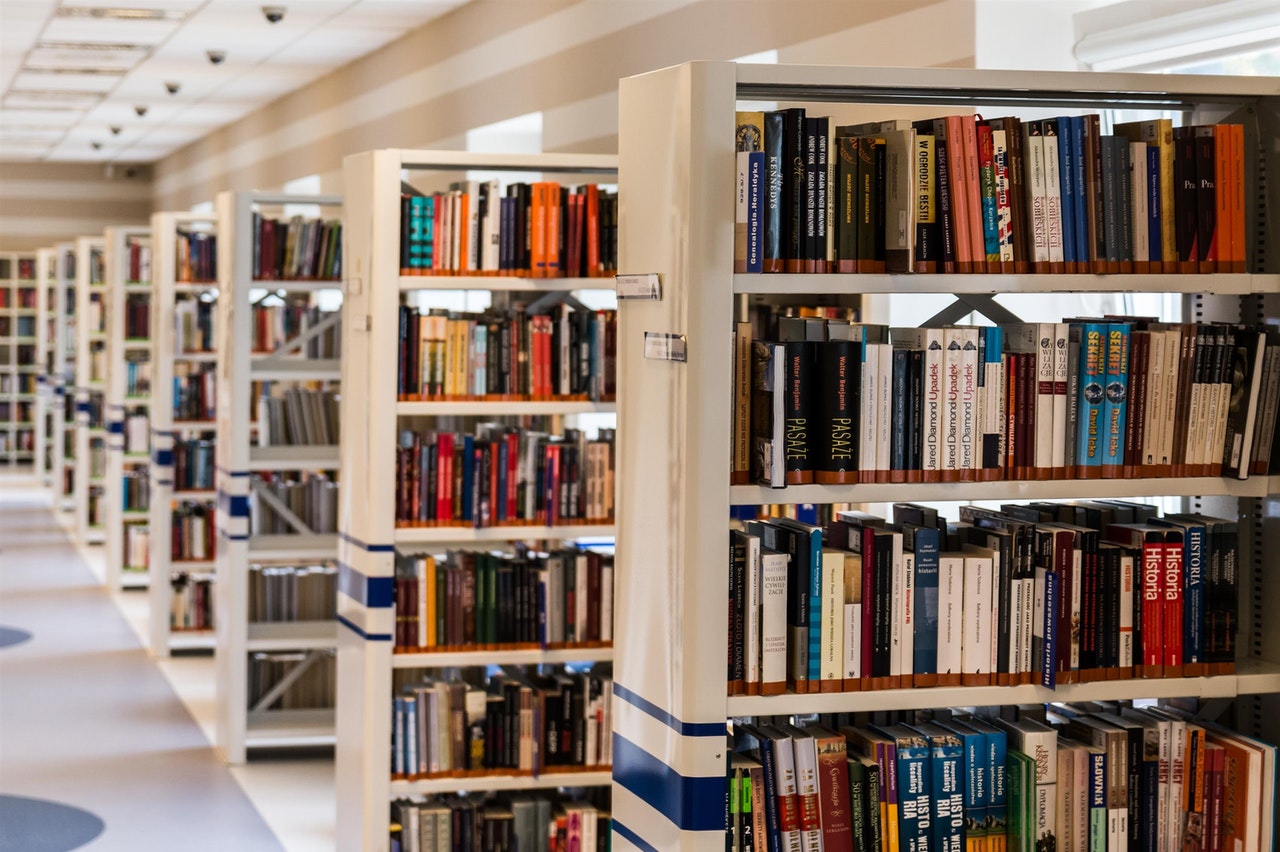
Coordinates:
<point>20,412</point>
<point>1112,397</point>
<point>137,431</point>
<point>136,555</point>
<point>22,326</point>
<point>570,353</point>
<point>292,593</point>
<point>194,535</point>
<point>97,457</point>
<point>96,506</point>
<point>24,270</point>
<point>138,262</point>
<point>191,603</point>
<point>194,391</point>
<point>197,257</point>
<point>504,476</point>
<point>541,821</point>
<point>1040,593</point>
<point>137,375</point>
<point>135,489</point>
<point>475,601</point>
<point>311,497</point>
<point>193,464</point>
<point>540,230</point>
<point>97,358</point>
<point>315,688</point>
<point>193,326</point>
<point>137,316</point>
<point>96,316</point>
<point>1098,778</point>
<point>272,326</point>
<point>299,249</point>
<point>298,417</point>
<point>967,194</point>
<point>509,725</point>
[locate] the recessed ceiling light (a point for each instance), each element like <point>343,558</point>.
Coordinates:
<point>119,13</point>
<point>66,69</point>
<point>92,46</point>
<point>50,99</point>
<point>97,146</point>
<point>115,129</point>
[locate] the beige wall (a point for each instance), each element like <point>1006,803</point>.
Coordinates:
<point>495,59</point>
<point>44,203</point>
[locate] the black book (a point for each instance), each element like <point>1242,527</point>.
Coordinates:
<point>1206,195</point>
<point>838,404</point>
<point>809,247</point>
<point>898,439</point>
<point>793,189</point>
<point>822,204</point>
<point>1186,193</point>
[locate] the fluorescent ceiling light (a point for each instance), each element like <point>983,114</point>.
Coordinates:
<point>119,13</point>
<point>44,99</point>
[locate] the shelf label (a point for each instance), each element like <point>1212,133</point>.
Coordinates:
<point>644,285</point>
<point>659,346</point>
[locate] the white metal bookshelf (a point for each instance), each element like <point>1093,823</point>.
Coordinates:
<point>369,537</point>
<point>46,336</point>
<point>124,290</point>
<point>62,383</point>
<point>90,384</point>
<point>18,359</point>
<point>675,418</point>
<point>240,460</point>
<point>166,292</point>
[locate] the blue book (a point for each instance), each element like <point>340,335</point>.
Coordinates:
<point>812,536</point>
<point>763,751</point>
<point>924,542</point>
<point>1082,195</point>
<point>990,374</point>
<point>755,211</point>
<point>977,782</point>
<point>807,513</point>
<point>947,786</point>
<point>502,482</point>
<point>1090,425</point>
<point>468,474</point>
<point>1045,643</point>
<point>1116,399</point>
<point>1067,154</point>
<point>1153,202</point>
<point>481,332</point>
<point>1195,558</point>
<point>997,798</point>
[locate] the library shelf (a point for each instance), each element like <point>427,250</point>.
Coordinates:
<point>293,728</point>
<point>291,635</point>
<point>92,314</point>
<point>1218,283</point>
<point>292,547</point>
<point>509,657</point>
<point>286,458</point>
<point>19,281</point>
<point>484,783</point>
<point>484,407</point>
<point>130,579</point>
<point>266,368</point>
<point>463,535</point>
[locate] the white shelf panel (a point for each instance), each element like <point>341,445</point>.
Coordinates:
<point>194,495</point>
<point>192,565</point>
<point>195,287</point>
<point>292,636</point>
<point>196,425</point>
<point>199,357</point>
<point>464,535</point>
<point>192,640</point>
<point>95,535</point>
<point>303,547</point>
<point>135,515</point>
<point>267,728</point>
<point>134,580</point>
<point>531,657</point>
<point>839,284</point>
<point>1251,677</point>
<point>320,457</point>
<point>508,283</point>
<point>138,286</point>
<point>485,408</point>
<point>549,781</point>
<point>295,286</point>
<point>1059,489</point>
<point>137,345</point>
<point>265,368</point>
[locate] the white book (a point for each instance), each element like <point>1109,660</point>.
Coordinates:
<point>867,404</point>
<point>853,640</point>
<point>1061,331</point>
<point>907,634</point>
<point>1172,366</point>
<point>1016,626</point>
<point>968,427</point>
<point>1066,800</point>
<point>423,563</point>
<point>1033,158</point>
<point>580,597</point>
<point>884,411</point>
<point>951,613</point>
<point>951,386</point>
<point>930,341</point>
<point>806,772</point>
<point>1177,779</point>
<point>1052,194</point>
<point>832,646</point>
<point>1126,610</point>
<point>897,602</point>
<point>773,617</point>
<point>978,627</point>
<point>1044,349</point>
<point>1138,200</point>
<point>1153,416</point>
<point>492,242</point>
<point>751,641</point>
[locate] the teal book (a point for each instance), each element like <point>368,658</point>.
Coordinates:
<point>1116,398</point>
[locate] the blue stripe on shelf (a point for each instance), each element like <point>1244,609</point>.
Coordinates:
<point>237,505</point>
<point>372,592</point>
<point>83,406</point>
<point>164,458</point>
<point>635,839</point>
<point>372,548</point>
<point>232,473</point>
<point>229,537</point>
<point>693,804</point>
<point>684,729</point>
<point>115,427</point>
<point>372,637</point>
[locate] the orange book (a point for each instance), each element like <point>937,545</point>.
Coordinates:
<point>538,231</point>
<point>593,231</point>
<point>957,181</point>
<point>552,201</point>
<point>973,194</point>
<point>1239,242</point>
<point>1223,143</point>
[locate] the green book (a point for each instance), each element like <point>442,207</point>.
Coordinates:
<point>1021,772</point>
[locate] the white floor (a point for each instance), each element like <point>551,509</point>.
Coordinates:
<point>294,796</point>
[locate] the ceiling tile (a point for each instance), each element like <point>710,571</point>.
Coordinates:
<point>49,81</point>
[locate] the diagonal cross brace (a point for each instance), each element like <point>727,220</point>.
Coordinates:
<point>265,495</point>
<point>296,343</point>
<point>969,302</point>
<point>287,681</point>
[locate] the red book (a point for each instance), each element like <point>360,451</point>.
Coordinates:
<point>1154,608</point>
<point>956,191</point>
<point>973,194</point>
<point>834,810</point>
<point>1172,587</point>
<point>513,467</point>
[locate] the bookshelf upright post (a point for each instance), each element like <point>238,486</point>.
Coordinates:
<point>90,385</point>
<point>47,320</point>
<point>64,376</point>
<point>18,358</point>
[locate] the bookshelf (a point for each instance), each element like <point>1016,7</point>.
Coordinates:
<point>90,390</point>
<point>18,363</point>
<point>675,418</point>
<point>243,460</point>
<point>371,422</point>
<point>176,290</point>
<point>46,335</point>
<point>128,406</point>
<point>62,385</point>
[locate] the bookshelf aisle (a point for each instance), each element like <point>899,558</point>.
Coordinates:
<point>18,366</point>
<point>676,421</point>
<point>64,376</point>
<point>128,406</point>
<point>279,287</point>
<point>90,391</point>
<point>183,539</point>
<point>455,390</point>
<point>46,337</point>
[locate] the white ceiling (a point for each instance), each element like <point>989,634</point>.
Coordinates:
<point>74,72</point>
